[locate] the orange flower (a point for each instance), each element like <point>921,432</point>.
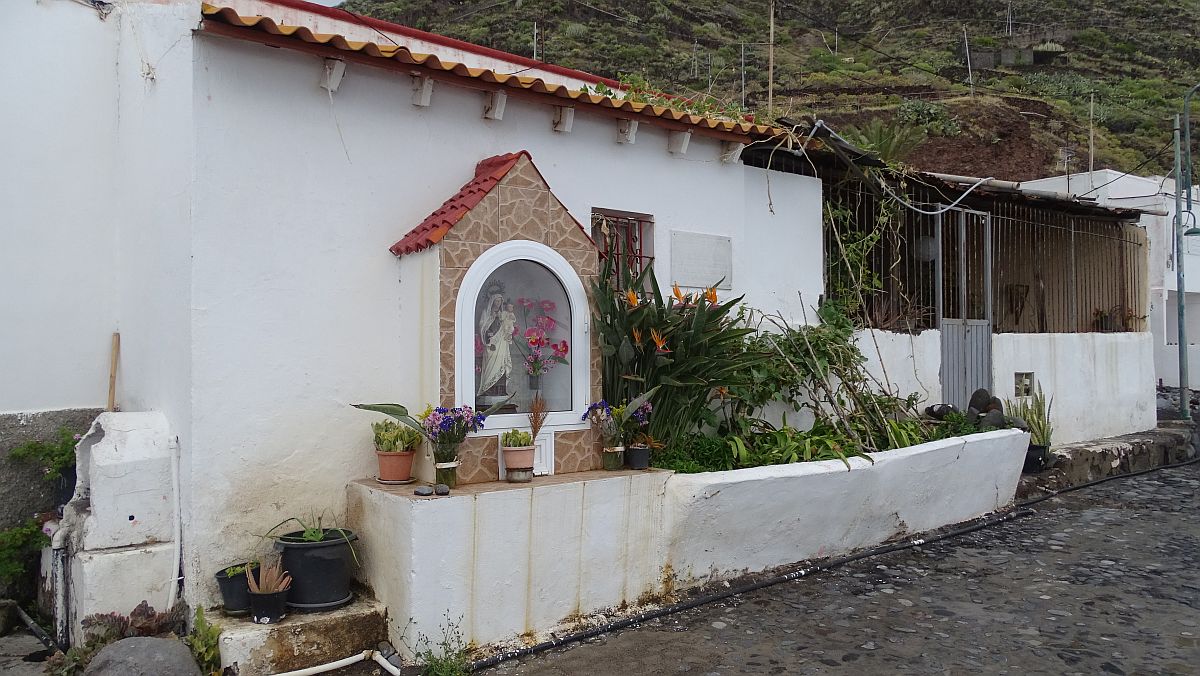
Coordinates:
<point>660,343</point>
<point>637,336</point>
<point>631,297</point>
<point>710,295</point>
<point>678,293</point>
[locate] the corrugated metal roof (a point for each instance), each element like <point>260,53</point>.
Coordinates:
<point>402,55</point>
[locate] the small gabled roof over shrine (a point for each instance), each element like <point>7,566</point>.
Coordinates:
<point>488,174</point>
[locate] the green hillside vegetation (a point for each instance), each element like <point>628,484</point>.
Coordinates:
<point>852,61</point>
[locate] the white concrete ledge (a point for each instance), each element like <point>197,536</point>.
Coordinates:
<point>500,561</point>
<point>724,524</point>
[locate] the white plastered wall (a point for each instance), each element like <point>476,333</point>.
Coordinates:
<point>299,308</point>
<point>1102,384</point>
<point>56,183</point>
<point>904,363</point>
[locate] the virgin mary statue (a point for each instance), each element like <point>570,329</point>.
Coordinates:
<point>496,327</point>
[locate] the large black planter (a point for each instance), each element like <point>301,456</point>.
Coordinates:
<point>1037,458</point>
<point>268,608</point>
<point>637,457</point>
<point>320,570</point>
<point>235,590</point>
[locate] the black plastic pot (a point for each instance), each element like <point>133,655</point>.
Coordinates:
<point>637,457</point>
<point>235,590</point>
<point>268,608</point>
<point>1036,459</point>
<point>320,570</point>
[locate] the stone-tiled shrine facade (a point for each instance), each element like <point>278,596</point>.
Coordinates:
<point>518,205</point>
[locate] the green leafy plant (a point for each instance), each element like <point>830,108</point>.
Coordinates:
<point>19,547</point>
<point>240,568</point>
<point>1035,411</point>
<point>516,439</point>
<point>690,346</point>
<point>448,657</point>
<point>55,457</point>
<point>892,141</point>
<point>391,436</point>
<point>204,642</point>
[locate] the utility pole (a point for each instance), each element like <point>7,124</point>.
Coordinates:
<point>771,62</point>
<point>1183,183</point>
<point>743,45</point>
<point>1009,29</point>
<point>535,41</point>
<point>695,61</point>
<point>1092,139</point>
<point>970,73</point>
<point>1185,395</point>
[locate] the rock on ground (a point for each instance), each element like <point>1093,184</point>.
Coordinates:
<point>144,656</point>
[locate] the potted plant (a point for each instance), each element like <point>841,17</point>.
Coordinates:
<point>319,560</point>
<point>638,452</point>
<point>269,592</point>
<point>600,414</point>
<point>446,428</point>
<point>235,592</point>
<point>618,425</point>
<point>395,446</point>
<point>517,446</point>
<point>1035,411</point>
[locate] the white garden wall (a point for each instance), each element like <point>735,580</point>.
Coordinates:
<point>1102,384</point>
<point>502,561</point>
<point>904,363</point>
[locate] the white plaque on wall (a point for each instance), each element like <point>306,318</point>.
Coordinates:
<point>699,261</point>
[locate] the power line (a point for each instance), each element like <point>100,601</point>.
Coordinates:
<point>1139,167</point>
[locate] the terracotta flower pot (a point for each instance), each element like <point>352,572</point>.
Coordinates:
<point>614,458</point>
<point>395,465</point>
<point>518,457</point>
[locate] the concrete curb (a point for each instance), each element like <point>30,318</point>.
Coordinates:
<point>1172,441</point>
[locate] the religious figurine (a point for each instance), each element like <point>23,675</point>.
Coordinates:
<point>497,325</point>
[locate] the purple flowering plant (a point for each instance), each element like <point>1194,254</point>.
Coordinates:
<point>619,424</point>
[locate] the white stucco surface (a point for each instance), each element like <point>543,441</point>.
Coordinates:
<point>298,307</point>
<point>501,563</point>
<point>722,524</point>
<point>1102,384</point>
<point>117,580</point>
<point>58,237</point>
<point>904,363</point>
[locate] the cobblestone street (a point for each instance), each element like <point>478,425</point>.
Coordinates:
<point>1105,580</point>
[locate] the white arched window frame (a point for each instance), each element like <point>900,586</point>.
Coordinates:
<point>464,333</point>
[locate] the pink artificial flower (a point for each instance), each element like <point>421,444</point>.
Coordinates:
<point>525,302</point>
<point>548,306</point>
<point>478,345</point>
<point>545,323</point>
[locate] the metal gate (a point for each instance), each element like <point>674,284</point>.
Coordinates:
<point>964,303</point>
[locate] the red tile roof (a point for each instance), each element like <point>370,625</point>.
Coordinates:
<point>488,173</point>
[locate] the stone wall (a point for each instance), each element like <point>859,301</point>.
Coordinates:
<point>521,206</point>
<point>24,492</point>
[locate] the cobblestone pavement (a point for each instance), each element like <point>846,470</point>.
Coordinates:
<point>1105,580</point>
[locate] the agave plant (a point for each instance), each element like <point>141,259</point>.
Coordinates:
<point>1035,411</point>
<point>272,578</point>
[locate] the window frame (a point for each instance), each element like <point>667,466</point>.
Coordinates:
<point>580,358</point>
<point>644,255</point>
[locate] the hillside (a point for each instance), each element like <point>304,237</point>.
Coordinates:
<point>853,60</point>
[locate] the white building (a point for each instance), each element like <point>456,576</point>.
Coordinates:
<point>282,212</point>
<point>223,192</point>
<point>1155,194</point>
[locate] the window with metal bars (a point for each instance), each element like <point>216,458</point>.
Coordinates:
<point>626,237</point>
